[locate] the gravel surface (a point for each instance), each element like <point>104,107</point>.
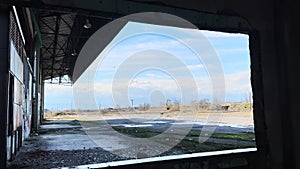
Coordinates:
<point>61,158</point>
<point>56,147</point>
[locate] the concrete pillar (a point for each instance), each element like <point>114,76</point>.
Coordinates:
<point>42,101</point>
<point>4,74</point>
<point>36,88</point>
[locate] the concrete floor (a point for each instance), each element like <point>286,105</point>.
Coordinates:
<point>60,143</point>
<point>64,143</point>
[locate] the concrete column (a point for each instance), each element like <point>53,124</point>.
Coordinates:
<point>42,101</point>
<point>4,82</point>
<point>36,98</point>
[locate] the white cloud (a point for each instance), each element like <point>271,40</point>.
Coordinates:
<point>57,90</point>
<point>195,67</point>
<point>213,34</point>
<point>238,82</point>
<point>150,75</point>
<point>231,51</point>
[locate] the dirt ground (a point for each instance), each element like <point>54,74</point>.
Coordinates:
<point>224,117</point>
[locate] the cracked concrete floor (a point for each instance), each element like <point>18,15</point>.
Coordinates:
<point>65,143</point>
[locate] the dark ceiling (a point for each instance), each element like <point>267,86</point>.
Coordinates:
<point>63,35</point>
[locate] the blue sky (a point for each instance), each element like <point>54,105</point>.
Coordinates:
<point>154,85</point>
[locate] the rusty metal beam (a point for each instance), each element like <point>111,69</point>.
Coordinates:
<point>65,35</point>
<point>55,41</point>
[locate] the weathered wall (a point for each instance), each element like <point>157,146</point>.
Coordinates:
<point>15,87</point>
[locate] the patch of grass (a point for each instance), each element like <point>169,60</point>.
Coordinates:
<point>238,136</point>
<point>190,143</point>
<point>137,131</point>
<point>187,146</point>
<point>149,132</point>
<point>233,136</point>
<point>62,113</point>
<point>194,133</point>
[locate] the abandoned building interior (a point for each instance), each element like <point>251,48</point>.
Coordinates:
<point>41,41</point>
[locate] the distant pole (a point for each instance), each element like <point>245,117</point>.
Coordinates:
<point>131,102</point>
<point>99,104</point>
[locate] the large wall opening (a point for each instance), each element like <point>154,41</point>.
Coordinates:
<point>162,111</point>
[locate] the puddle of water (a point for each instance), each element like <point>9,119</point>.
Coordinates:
<point>137,125</point>
<point>57,126</point>
<point>66,142</point>
<point>213,124</point>
<point>156,122</point>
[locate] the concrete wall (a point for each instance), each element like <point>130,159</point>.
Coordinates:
<point>15,87</point>
<point>19,96</point>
